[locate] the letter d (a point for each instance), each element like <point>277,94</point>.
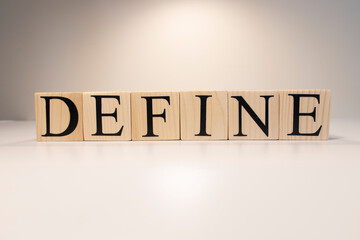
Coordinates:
<point>74,116</point>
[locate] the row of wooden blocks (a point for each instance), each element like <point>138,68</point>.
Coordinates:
<point>190,115</point>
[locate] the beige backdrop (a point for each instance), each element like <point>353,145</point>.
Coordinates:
<point>178,45</point>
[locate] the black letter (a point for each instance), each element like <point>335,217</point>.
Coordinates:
<point>74,117</point>
<point>297,114</point>
<point>150,115</point>
<point>99,115</point>
<point>243,103</point>
<point>203,99</point>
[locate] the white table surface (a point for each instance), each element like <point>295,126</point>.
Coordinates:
<point>179,189</point>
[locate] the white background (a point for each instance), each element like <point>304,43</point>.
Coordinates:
<point>178,45</point>
<point>253,190</point>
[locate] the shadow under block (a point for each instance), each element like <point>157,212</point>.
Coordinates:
<point>304,114</point>
<point>107,116</point>
<point>203,115</point>
<point>155,116</point>
<point>59,116</point>
<point>253,115</point>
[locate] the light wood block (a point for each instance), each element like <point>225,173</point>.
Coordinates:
<point>107,116</point>
<point>203,115</point>
<point>59,116</point>
<point>159,109</point>
<point>252,124</point>
<point>313,106</point>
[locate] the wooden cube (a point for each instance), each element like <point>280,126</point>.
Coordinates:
<point>253,114</point>
<point>155,116</point>
<point>107,116</point>
<point>59,116</point>
<point>304,114</point>
<point>203,115</point>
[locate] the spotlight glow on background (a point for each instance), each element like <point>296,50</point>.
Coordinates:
<point>177,45</point>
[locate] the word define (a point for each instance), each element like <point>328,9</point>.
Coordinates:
<point>189,115</point>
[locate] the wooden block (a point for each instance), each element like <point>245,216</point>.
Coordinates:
<point>304,114</point>
<point>155,115</point>
<point>59,116</point>
<point>253,114</point>
<point>107,116</point>
<point>203,115</point>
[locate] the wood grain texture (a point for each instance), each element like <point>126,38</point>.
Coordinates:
<point>257,104</point>
<point>216,115</point>
<point>59,116</point>
<point>166,130</point>
<point>306,123</point>
<point>110,125</point>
